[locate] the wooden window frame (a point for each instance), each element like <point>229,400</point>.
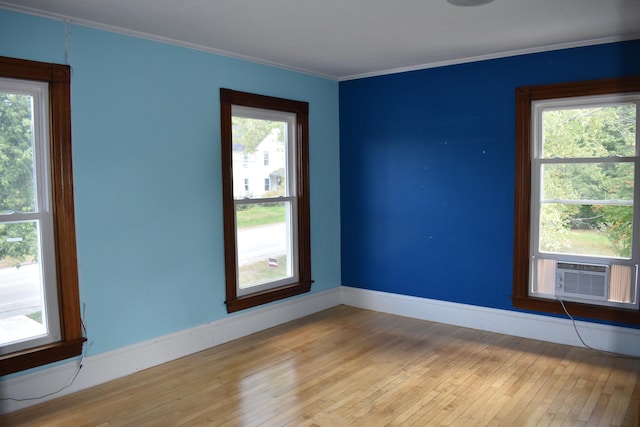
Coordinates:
<point>228,98</point>
<point>70,345</point>
<point>524,97</point>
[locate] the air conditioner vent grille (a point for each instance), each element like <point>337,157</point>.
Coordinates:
<point>584,284</point>
<point>582,281</point>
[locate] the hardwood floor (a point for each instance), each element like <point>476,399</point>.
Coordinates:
<point>352,367</point>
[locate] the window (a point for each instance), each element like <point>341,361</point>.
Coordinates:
<point>577,218</point>
<point>38,269</point>
<point>266,233</point>
<point>266,158</point>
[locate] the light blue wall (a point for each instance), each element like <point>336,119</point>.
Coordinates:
<point>146,146</point>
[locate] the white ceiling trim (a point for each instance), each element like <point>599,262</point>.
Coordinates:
<point>166,40</point>
<point>152,37</point>
<point>498,55</point>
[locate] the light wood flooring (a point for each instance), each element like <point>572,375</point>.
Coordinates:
<point>351,367</point>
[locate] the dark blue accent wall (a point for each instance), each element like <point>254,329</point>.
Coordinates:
<point>427,171</point>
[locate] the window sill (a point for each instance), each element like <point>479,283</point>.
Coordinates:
<point>587,311</point>
<point>254,300</point>
<point>38,356</point>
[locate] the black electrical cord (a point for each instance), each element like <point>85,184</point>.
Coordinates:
<point>73,379</point>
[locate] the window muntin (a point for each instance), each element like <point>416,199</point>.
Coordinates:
<point>50,215</point>
<point>584,161</point>
<point>267,246</point>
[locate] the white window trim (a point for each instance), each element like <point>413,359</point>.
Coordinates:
<point>290,197</point>
<point>537,108</point>
<point>43,213</point>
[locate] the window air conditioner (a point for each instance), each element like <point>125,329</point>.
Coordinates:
<point>582,281</point>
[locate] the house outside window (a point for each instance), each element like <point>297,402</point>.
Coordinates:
<point>259,165</point>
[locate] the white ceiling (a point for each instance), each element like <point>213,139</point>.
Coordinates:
<point>344,39</point>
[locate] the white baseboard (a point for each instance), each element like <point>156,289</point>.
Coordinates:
<point>127,360</point>
<point>544,328</point>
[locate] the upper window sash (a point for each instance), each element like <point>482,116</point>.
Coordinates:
<point>538,108</point>
<point>39,92</point>
<point>290,138</point>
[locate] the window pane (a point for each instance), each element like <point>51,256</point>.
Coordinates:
<point>259,156</point>
<point>264,243</point>
<point>17,187</point>
<point>597,230</point>
<point>590,181</point>
<point>603,131</point>
<point>21,289</point>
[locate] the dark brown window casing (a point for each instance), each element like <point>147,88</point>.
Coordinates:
<point>58,78</point>
<point>524,98</point>
<point>228,98</point>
